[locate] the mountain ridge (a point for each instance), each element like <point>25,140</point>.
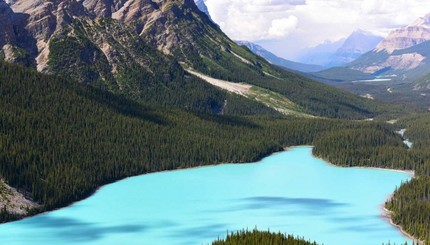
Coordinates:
<point>276,60</point>
<point>402,53</point>
<point>345,50</point>
<point>141,48</point>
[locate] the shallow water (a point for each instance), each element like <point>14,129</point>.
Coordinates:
<point>292,192</point>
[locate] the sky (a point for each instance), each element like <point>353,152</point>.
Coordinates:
<point>286,27</point>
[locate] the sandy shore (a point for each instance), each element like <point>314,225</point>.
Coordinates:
<point>411,173</point>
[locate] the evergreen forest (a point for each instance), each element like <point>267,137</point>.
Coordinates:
<point>61,140</point>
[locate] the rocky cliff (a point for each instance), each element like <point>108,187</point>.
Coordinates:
<point>406,37</point>
<point>402,53</point>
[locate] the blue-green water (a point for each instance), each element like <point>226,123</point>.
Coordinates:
<point>291,192</point>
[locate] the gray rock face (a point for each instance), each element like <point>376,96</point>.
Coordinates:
<point>38,22</point>
<point>7,34</point>
<point>408,36</point>
<point>403,52</point>
<point>104,8</point>
<point>202,7</point>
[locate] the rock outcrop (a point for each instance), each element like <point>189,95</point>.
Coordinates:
<point>406,37</point>
<point>403,53</point>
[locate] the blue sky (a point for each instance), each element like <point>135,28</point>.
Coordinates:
<point>288,26</point>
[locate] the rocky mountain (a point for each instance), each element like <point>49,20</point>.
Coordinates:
<point>142,48</point>
<point>321,54</point>
<point>276,60</point>
<point>406,37</point>
<point>358,43</point>
<point>331,54</point>
<point>202,7</point>
<point>403,53</point>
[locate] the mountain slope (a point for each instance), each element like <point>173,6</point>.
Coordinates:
<point>358,43</point>
<point>406,37</point>
<point>78,138</point>
<point>112,45</point>
<point>273,59</point>
<point>403,53</point>
<point>203,47</point>
<point>202,7</point>
<point>331,54</point>
<point>321,54</point>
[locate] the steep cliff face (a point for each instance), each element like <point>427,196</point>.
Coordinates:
<point>40,21</point>
<point>404,53</point>
<point>7,34</point>
<point>103,8</point>
<point>201,5</point>
<point>15,44</point>
<point>406,37</point>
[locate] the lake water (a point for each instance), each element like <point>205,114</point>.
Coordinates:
<point>292,192</point>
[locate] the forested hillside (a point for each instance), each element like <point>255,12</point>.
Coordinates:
<point>60,140</point>
<point>410,204</point>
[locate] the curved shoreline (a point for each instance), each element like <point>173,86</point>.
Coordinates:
<point>385,214</point>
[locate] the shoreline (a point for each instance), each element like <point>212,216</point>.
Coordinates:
<point>387,215</point>
<point>411,173</point>
<point>385,212</point>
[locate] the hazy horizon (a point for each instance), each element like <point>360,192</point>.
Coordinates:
<point>286,27</point>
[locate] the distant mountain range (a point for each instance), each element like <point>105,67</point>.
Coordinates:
<point>358,43</point>
<point>404,53</point>
<point>330,54</point>
<point>276,60</point>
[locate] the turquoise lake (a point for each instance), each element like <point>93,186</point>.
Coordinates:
<point>291,192</point>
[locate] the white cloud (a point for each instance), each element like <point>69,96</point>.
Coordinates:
<point>291,25</point>
<point>254,19</point>
<point>281,27</point>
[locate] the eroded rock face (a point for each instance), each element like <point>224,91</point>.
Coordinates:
<point>39,20</point>
<point>7,34</point>
<point>411,35</point>
<point>103,8</point>
<point>13,201</point>
<point>404,52</point>
<point>171,26</point>
<point>404,62</point>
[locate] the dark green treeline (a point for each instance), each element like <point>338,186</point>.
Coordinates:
<point>410,204</point>
<point>256,237</point>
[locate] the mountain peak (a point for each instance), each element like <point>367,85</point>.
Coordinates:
<point>406,37</point>
<point>423,21</point>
